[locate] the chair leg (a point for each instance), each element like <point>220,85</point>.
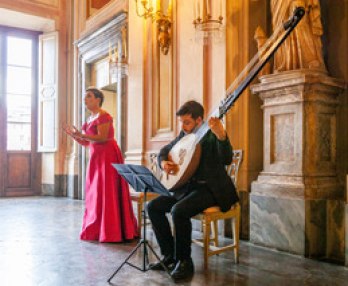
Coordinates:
<point>235,229</point>
<point>237,238</point>
<point>206,241</point>
<point>215,233</point>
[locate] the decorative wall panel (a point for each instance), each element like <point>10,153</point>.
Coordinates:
<point>161,91</point>
<point>282,138</point>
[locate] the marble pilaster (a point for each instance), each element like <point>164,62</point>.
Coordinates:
<point>296,202</point>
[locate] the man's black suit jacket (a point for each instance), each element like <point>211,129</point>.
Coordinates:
<point>215,156</point>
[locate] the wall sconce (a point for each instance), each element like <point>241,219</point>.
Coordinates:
<point>162,19</point>
<point>208,18</point>
<point>118,61</point>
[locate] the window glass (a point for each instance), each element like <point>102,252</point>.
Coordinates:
<point>19,52</point>
<point>19,91</point>
<point>19,80</point>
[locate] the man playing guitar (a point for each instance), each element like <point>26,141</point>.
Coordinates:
<point>209,186</point>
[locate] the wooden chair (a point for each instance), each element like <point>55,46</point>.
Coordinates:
<point>212,215</point>
<point>138,197</point>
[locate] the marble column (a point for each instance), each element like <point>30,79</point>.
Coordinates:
<point>296,204</point>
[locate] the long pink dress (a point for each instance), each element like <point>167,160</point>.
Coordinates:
<point>108,213</point>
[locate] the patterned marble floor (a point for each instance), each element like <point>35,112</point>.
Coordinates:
<point>39,246</point>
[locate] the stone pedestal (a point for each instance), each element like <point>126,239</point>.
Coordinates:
<point>296,204</point>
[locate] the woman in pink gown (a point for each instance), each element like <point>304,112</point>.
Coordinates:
<point>108,213</point>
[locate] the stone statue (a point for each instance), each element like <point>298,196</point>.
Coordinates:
<point>303,48</point>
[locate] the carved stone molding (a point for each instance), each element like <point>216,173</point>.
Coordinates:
<point>96,45</point>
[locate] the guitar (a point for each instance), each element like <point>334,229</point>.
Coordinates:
<point>186,152</point>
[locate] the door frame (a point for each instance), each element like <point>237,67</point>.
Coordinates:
<point>35,157</point>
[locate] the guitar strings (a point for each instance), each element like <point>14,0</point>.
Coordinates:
<point>262,54</point>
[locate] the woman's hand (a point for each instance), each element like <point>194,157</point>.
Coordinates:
<point>73,132</point>
<point>217,128</point>
<point>67,129</point>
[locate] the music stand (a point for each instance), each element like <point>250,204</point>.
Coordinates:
<point>142,180</point>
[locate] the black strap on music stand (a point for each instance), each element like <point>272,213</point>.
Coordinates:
<point>142,180</point>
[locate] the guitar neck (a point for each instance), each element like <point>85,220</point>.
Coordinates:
<point>231,97</point>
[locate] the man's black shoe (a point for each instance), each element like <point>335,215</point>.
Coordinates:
<point>183,269</point>
<point>168,261</point>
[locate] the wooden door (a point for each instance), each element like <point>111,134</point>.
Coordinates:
<point>20,173</point>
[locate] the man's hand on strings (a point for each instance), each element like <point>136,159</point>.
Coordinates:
<point>217,128</point>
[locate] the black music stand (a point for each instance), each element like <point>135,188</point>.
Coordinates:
<point>142,180</point>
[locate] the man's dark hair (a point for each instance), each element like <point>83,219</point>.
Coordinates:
<point>192,107</point>
<point>97,94</point>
